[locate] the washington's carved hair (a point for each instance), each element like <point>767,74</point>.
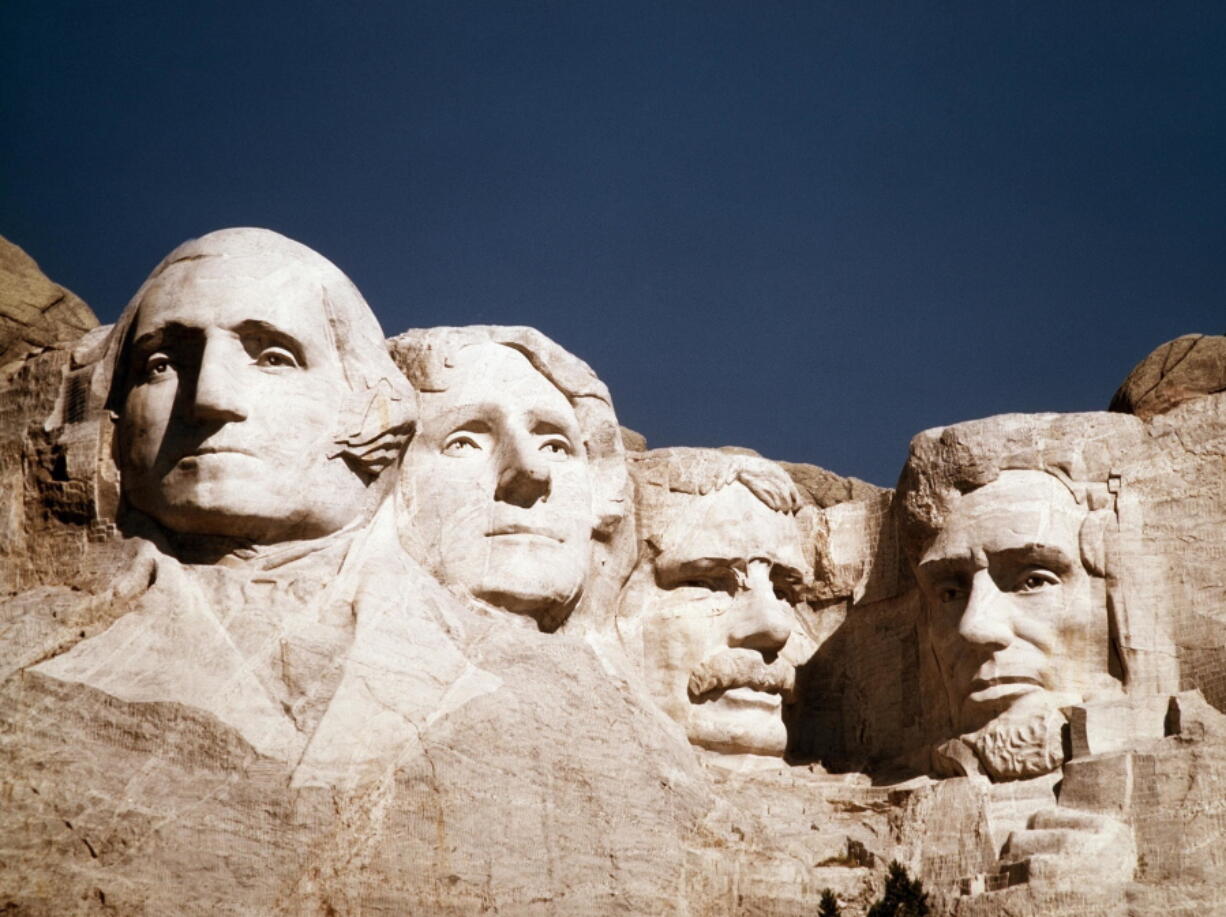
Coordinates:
<point>425,355</point>
<point>378,418</point>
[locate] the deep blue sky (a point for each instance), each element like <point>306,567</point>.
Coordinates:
<point>809,228</point>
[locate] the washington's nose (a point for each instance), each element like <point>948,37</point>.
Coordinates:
<point>219,392</point>
<point>524,476</point>
<point>985,620</point>
<point>761,620</point>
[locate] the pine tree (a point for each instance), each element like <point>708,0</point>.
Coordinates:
<point>904,896</point>
<point>829,906</point>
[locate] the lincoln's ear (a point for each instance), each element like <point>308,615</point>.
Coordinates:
<point>375,427</point>
<point>1094,533</point>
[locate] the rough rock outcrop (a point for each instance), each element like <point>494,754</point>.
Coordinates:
<point>1188,367</point>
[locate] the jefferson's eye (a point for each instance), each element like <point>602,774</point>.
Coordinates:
<point>276,357</point>
<point>1037,580</point>
<point>460,445</point>
<point>556,447</point>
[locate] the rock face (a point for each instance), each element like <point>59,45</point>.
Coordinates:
<point>328,623</point>
<point>1188,367</point>
<point>34,312</point>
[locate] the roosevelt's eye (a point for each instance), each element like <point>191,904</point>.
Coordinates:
<point>947,594</point>
<point>276,357</point>
<point>1036,580</point>
<point>461,445</point>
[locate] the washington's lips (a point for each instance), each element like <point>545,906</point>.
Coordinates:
<point>523,529</point>
<point>742,669</point>
<point>212,449</point>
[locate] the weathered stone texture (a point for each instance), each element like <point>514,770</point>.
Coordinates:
<point>485,653</point>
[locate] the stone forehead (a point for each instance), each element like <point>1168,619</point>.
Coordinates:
<point>249,253</point>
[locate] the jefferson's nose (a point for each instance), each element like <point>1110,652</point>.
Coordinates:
<point>219,392</point>
<point>524,476</point>
<point>760,619</point>
<point>985,620</point>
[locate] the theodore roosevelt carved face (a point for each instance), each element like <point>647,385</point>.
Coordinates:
<point>232,388</point>
<point>496,489</point>
<point>713,601</point>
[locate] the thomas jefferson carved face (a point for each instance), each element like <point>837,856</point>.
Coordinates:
<point>234,390</point>
<point>716,612</point>
<point>496,485</point>
<point>1016,618</point>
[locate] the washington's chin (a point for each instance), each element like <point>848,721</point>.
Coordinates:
<point>740,721</point>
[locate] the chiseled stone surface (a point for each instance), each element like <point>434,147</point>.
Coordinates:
<point>297,619</point>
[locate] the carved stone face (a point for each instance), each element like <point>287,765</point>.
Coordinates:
<point>233,398</point>
<point>717,618</point>
<point>496,486</point>
<point>1014,613</point>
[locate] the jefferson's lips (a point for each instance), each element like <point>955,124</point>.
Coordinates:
<point>521,529</point>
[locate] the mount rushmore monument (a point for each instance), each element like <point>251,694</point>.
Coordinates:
<point>299,618</point>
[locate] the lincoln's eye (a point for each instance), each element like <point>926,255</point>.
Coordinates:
<point>276,357</point>
<point>1037,580</point>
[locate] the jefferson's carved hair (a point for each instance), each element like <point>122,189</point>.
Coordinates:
<point>376,423</point>
<point>425,355</point>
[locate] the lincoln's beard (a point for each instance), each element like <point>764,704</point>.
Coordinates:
<point>1027,740</point>
<point>1017,746</point>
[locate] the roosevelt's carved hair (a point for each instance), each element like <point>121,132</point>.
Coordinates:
<point>702,471</point>
<point>425,355</point>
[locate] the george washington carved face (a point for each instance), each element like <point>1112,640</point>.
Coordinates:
<point>232,388</point>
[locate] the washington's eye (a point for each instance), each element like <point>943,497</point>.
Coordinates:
<point>460,445</point>
<point>157,365</point>
<point>276,357</point>
<point>1037,580</point>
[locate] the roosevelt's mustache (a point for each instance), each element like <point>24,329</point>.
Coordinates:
<point>743,669</point>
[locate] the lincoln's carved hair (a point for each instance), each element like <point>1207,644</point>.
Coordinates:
<point>377,420</point>
<point>425,354</point>
<point>696,471</point>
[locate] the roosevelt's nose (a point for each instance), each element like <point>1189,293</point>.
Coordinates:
<point>219,394</point>
<point>985,620</point>
<point>760,620</point>
<point>523,477</point>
